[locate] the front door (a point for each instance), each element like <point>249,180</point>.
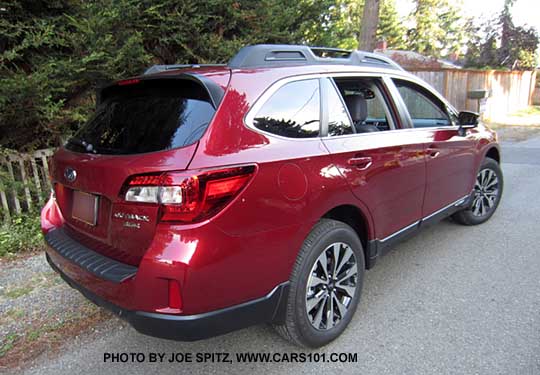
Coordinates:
<point>449,156</point>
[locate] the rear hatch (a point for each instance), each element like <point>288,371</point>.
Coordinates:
<point>140,126</point>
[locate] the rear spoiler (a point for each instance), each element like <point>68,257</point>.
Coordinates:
<point>215,91</point>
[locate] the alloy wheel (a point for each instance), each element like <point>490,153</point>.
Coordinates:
<point>486,192</point>
<point>331,286</point>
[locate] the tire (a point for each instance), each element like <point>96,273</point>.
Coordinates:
<point>488,191</point>
<point>311,328</point>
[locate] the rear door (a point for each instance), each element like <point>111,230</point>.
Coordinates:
<point>450,156</point>
<point>383,165</point>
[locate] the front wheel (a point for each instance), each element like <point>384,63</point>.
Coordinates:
<point>326,284</point>
<point>488,190</point>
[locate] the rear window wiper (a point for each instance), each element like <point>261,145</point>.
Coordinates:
<point>88,147</point>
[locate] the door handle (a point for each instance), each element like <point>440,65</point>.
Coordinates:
<point>433,153</point>
<point>361,163</point>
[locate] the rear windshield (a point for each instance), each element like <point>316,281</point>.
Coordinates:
<point>145,116</point>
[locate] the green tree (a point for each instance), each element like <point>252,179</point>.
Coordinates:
<point>32,38</point>
<point>391,27</point>
<point>55,53</point>
<point>339,25</point>
<point>439,28</point>
<point>340,22</point>
<point>501,44</point>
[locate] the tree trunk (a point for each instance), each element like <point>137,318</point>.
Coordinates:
<point>368,28</point>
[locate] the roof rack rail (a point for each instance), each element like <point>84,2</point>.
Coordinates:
<point>273,55</point>
<point>162,68</point>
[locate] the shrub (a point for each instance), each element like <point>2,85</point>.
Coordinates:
<point>21,234</point>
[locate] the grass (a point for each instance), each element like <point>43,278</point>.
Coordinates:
<point>15,313</point>
<point>18,292</point>
<point>533,110</point>
<point>41,280</point>
<point>17,349</point>
<point>8,343</point>
<point>35,334</point>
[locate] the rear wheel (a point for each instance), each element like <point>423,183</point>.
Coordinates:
<point>487,195</point>
<point>326,284</point>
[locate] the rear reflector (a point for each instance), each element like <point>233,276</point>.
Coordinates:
<point>186,197</point>
<point>175,300</point>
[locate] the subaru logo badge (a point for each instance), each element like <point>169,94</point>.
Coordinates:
<point>70,174</point>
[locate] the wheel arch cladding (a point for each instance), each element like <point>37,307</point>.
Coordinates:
<point>355,218</point>
<point>494,154</point>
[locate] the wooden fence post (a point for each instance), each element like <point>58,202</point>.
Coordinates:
<point>46,166</point>
<point>25,183</point>
<point>14,191</point>
<point>36,178</point>
<point>29,176</point>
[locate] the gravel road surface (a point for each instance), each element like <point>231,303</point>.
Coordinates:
<point>452,300</point>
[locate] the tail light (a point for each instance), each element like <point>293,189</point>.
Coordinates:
<point>186,197</point>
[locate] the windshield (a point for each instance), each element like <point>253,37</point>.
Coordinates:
<point>146,116</point>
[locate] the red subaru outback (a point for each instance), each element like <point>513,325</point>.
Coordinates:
<point>202,199</point>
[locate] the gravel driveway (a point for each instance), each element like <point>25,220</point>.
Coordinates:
<point>452,300</point>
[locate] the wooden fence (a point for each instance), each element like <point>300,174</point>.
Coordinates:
<point>536,96</point>
<point>511,91</point>
<point>24,181</point>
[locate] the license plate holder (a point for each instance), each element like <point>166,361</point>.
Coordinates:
<point>85,207</point>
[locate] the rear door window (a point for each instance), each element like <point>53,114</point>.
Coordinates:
<point>367,104</point>
<point>146,116</point>
<point>339,122</point>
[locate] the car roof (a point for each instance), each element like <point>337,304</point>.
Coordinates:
<point>290,60</point>
<point>280,71</point>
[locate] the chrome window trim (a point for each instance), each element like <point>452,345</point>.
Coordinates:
<point>329,85</point>
<point>447,107</point>
<point>266,95</point>
<point>383,75</point>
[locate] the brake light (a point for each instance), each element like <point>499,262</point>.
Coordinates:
<point>189,198</point>
<point>126,82</point>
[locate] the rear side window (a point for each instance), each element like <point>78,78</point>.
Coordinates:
<point>338,119</point>
<point>292,111</point>
<point>147,116</point>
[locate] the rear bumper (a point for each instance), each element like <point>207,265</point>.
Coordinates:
<point>269,308</point>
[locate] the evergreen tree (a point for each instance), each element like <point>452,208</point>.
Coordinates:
<point>501,44</point>
<point>439,28</point>
<point>340,25</point>
<point>391,27</point>
<point>55,53</point>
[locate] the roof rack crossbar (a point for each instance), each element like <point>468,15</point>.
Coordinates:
<point>272,55</point>
<point>330,49</point>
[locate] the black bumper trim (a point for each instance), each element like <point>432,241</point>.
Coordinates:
<point>269,308</point>
<point>101,266</point>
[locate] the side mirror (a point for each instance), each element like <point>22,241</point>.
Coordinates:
<point>467,120</point>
